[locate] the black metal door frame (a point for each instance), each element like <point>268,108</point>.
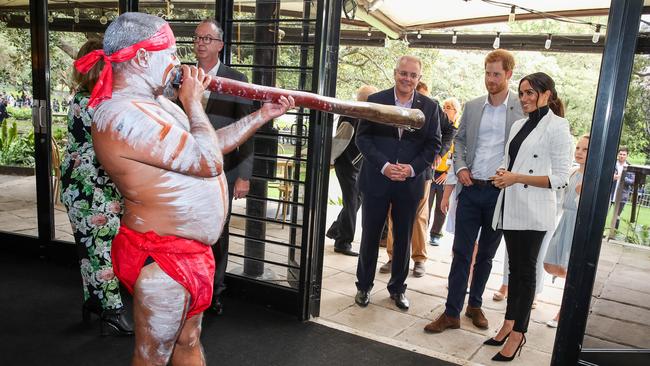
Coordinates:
<point>615,72</point>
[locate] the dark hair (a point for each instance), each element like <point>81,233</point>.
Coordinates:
<point>623,148</point>
<point>88,80</point>
<point>540,82</point>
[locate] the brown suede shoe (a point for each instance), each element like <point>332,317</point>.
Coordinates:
<point>443,322</point>
<point>478,318</point>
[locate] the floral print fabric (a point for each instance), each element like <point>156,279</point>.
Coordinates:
<point>94,207</point>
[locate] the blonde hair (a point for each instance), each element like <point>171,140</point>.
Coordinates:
<point>364,91</point>
<point>454,102</point>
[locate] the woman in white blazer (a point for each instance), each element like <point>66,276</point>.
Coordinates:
<point>536,164</point>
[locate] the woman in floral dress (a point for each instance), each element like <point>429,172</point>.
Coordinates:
<point>94,208</point>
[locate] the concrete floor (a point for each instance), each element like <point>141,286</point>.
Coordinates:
<point>620,313</point>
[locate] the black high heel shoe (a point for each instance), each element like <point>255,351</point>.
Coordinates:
<point>115,321</point>
<point>111,321</point>
<point>494,342</point>
<point>500,357</point>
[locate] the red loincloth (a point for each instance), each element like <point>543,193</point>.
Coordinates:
<point>188,262</point>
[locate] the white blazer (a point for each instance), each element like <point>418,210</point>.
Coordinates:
<point>546,151</point>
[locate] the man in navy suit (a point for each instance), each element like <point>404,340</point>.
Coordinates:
<point>223,110</point>
<point>392,175</point>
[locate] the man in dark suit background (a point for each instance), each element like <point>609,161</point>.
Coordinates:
<point>223,110</point>
<point>392,175</point>
<point>347,166</point>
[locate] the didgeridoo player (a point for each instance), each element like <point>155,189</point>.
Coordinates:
<point>168,165</point>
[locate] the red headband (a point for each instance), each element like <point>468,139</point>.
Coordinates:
<point>163,39</point>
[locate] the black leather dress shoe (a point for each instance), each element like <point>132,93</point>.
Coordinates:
<point>346,251</point>
<point>363,298</point>
<point>216,307</point>
<point>400,301</point>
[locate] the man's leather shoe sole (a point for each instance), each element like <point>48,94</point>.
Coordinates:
<point>362,298</point>
<point>442,323</point>
<point>349,252</point>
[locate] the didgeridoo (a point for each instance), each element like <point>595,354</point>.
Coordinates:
<point>381,113</point>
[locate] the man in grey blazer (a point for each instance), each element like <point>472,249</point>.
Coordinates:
<point>223,110</point>
<point>480,143</point>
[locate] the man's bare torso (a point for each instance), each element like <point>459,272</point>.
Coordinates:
<point>168,202</point>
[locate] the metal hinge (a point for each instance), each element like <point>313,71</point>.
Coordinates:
<point>315,289</point>
<point>39,115</point>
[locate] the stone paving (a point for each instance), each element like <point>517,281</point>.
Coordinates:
<point>620,313</point>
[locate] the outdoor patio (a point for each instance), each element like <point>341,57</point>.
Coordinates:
<point>620,315</point>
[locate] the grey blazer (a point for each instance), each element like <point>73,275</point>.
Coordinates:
<point>465,142</point>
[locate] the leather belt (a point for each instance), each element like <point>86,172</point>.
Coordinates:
<point>480,182</point>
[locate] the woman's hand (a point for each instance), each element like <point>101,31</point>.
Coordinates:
<point>504,178</point>
<point>442,178</point>
<point>270,111</point>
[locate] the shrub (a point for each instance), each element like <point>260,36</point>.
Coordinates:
<point>15,149</point>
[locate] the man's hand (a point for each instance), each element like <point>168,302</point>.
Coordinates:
<point>195,81</point>
<point>270,111</point>
<point>396,172</point>
<point>444,204</point>
<point>241,188</point>
<point>442,178</point>
<point>616,176</point>
<point>465,177</point>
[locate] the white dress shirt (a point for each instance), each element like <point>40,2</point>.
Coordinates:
<point>490,142</point>
<point>400,130</point>
<point>206,93</point>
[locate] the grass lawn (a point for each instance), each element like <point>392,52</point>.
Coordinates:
<point>625,229</point>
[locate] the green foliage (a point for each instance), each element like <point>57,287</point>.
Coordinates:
<point>15,149</point>
<point>20,113</point>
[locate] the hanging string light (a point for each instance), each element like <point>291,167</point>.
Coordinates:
<point>596,36</point>
<point>454,38</point>
<point>547,44</point>
<point>76,15</point>
<point>50,17</point>
<point>103,19</point>
<point>511,16</point>
<point>419,36</point>
<point>369,31</point>
<point>497,41</point>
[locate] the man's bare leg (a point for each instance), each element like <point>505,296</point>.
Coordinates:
<point>188,350</point>
<point>159,308</point>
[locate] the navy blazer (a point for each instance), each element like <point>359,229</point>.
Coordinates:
<point>223,110</point>
<point>380,144</point>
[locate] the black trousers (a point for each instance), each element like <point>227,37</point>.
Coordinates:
<point>523,248</point>
<point>373,215</point>
<point>342,230</point>
<point>220,249</point>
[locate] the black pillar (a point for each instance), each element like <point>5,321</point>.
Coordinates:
<point>265,53</point>
<point>127,6</point>
<point>615,72</point>
<point>41,117</point>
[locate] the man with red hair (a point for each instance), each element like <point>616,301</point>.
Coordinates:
<point>168,166</point>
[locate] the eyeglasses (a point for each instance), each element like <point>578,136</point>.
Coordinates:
<point>205,40</point>
<point>406,74</point>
